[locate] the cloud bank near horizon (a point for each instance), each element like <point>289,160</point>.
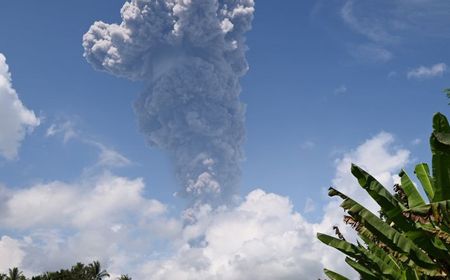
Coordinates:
<point>111,219</point>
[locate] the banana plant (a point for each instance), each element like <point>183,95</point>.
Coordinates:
<point>410,238</point>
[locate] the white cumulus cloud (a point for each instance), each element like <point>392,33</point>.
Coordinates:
<point>383,160</point>
<point>15,119</point>
<point>264,238</point>
<point>310,206</point>
<point>109,218</point>
<point>423,72</point>
<point>57,224</point>
<point>11,253</point>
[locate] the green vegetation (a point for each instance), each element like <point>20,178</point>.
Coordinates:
<point>79,271</point>
<point>410,239</point>
<point>447,92</point>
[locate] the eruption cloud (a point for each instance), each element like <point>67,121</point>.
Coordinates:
<point>191,55</point>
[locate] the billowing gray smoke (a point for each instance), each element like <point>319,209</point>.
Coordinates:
<point>191,53</point>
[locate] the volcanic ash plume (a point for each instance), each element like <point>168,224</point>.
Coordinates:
<point>191,54</point>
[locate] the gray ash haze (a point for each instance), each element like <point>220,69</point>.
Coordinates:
<point>191,55</point>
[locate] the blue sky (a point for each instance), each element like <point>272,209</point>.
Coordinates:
<point>329,82</point>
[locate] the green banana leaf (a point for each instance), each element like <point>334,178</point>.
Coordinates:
<point>390,206</point>
<point>333,275</point>
<point>365,272</point>
<point>341,245</point>
<point>422,172</point>
<point>383,265</point>
<point>413,195</point>
<point>384,232</point>
<point>440,148</point>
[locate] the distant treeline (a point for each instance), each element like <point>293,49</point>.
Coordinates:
<point>79,271</point>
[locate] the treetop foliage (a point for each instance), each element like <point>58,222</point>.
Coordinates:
<point>79,271</point>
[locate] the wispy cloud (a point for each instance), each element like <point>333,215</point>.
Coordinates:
<point>424,72</point>
<point>416,141</point>
<point>308,145</point>
<point>373,30</point>
<point>392,74</point>
<point>310,206</point>
<point>376,35</point>
<point>107,157</point>
<point>340,90</point>
<point>66,129</point>
<point>371,53</point>
<point>385,29</point>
